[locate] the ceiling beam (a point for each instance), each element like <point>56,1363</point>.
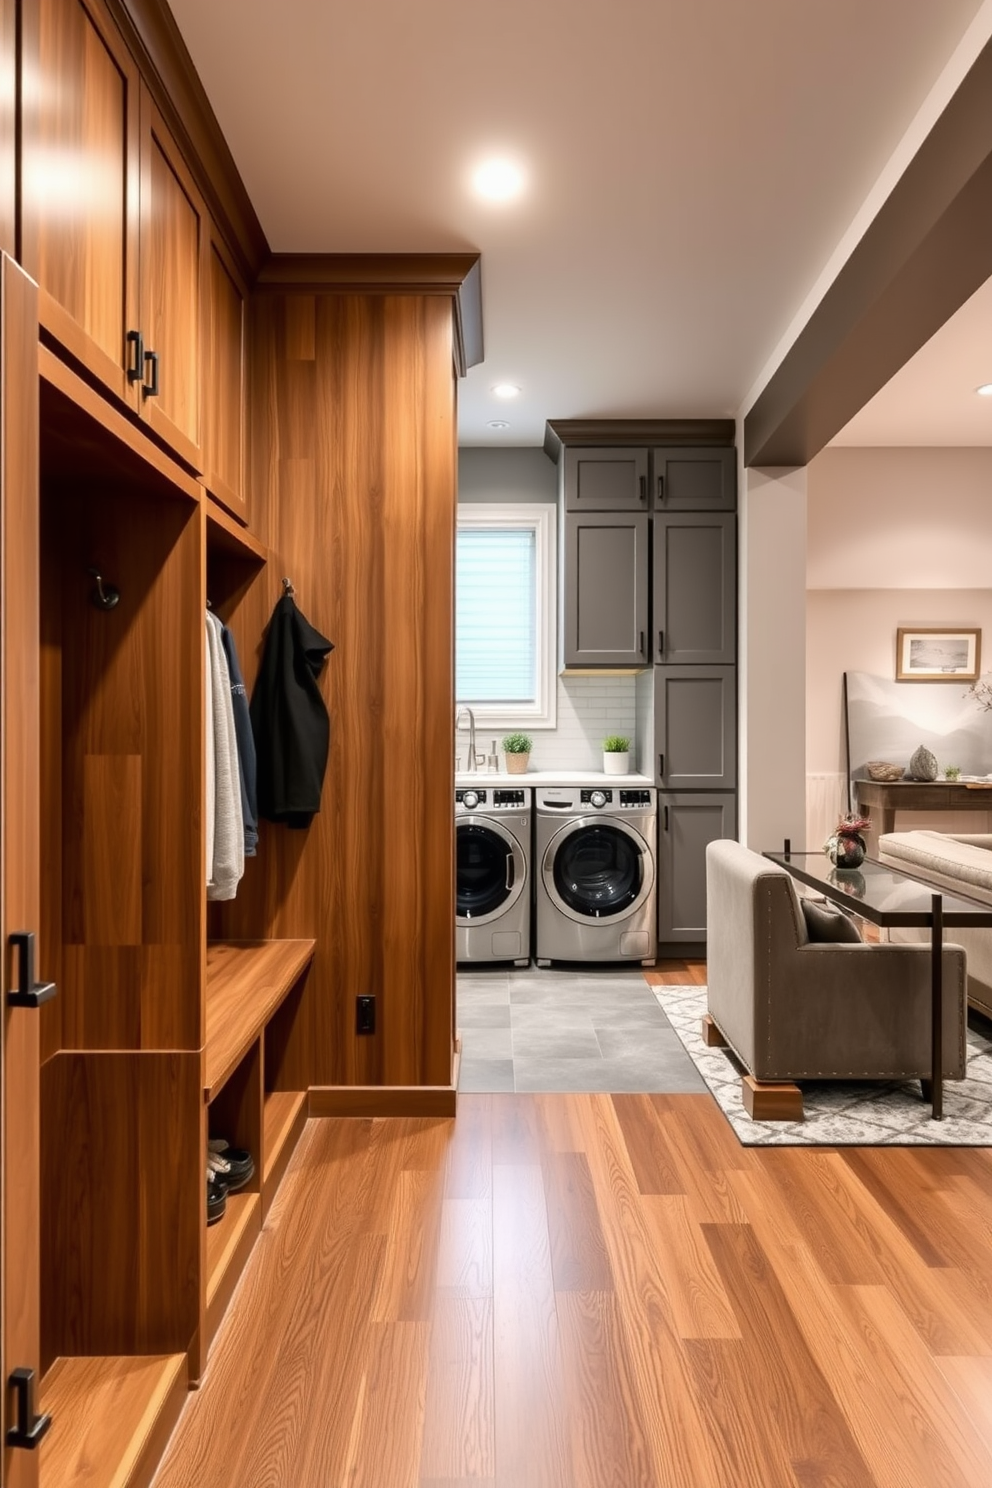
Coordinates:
<point>925,253</point>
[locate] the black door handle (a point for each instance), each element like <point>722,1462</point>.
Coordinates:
<point>644,488</point>
<point>509,871</point>
<point>661,764</point>
<point>661,642</point>
<point>28,993</point>
<point>661,488</point>
<point>640,644</point>
<point>30,1427</point>
<point>666,818</point>
<point>150,389</point>
<point>136,370</point>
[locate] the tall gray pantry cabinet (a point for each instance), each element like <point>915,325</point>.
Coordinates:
<point>649,579</point>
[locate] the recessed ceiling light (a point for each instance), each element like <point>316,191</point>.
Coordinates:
<point>498,180</point>
<point>497,424</point>
<point>985,391</point>
<point>506,390</point>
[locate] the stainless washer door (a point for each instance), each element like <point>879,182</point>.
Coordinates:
<point>597,868</point>
<point>490,870</point>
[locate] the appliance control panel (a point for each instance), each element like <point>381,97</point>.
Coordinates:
<point>596,797</point>
<point>508,798</point>
<point>635,798</point>
<point>472,798</point>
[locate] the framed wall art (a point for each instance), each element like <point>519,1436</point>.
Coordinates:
<point>938,655</point>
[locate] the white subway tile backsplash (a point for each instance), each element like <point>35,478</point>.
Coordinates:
<point>589,708</point>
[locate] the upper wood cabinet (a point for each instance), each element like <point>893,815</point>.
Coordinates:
<point>114,228</point>
<point>173,258</point>
<point>224,379</point>
<point>81,185</point>
<point>606,479</point>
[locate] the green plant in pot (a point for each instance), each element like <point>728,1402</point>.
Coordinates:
<point>616,754</point>
<point>516,750</point>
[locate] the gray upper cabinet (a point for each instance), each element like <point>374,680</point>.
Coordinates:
<point>605,590</point>
<point>694,600</point>
<point>695,727</point>
<point>606,480</point>
<point>686,824</point>
<point>694,479</point>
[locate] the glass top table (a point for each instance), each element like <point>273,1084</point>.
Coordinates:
<point>890,898</point>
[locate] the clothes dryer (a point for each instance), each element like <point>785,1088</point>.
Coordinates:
<point>492,874</point>
<point>594,863</point>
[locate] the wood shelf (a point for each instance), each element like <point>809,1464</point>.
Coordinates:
<point>111,1419</point>
<point>224,1238</point>
<point>228,534</point>
<point>282,1107</point>
<point>246,982</point>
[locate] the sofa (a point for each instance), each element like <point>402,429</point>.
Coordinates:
<point>793,1008</point>
<point>961,865</point>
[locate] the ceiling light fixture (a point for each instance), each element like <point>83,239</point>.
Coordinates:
<point>497,424</point>
<point>498,180</point>
<point>506,390</point>
<point>985,391</point>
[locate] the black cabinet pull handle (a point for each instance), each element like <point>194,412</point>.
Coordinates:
<point>661,488</point>
<point>136,370</point>
<point>661,764</point>
<point>666,818</point>
<point>644,488</point>
<point>640,644</point>
<point>28,993</point>
<point>661,642</point>
<point>152,389</point>
<point>30,1427</point>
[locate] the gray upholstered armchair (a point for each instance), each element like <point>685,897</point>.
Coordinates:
<point>793,1009</point>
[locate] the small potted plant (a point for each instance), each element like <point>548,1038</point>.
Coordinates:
<point>516,750</point>
<point>616,755</point>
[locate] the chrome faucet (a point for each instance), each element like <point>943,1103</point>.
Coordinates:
<point>471,733</point>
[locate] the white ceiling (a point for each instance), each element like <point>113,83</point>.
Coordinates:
<point>692,164</point>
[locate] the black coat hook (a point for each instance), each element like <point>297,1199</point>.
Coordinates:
<point>287,586</point>
<point>104,596</point>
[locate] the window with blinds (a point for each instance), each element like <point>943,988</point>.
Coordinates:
<point>504,613</point>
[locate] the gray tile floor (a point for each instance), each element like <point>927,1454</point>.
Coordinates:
<point>560,1030</point>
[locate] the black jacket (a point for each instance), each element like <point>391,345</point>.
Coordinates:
<point>289,720</point>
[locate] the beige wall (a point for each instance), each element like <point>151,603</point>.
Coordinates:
<point>895,537</point>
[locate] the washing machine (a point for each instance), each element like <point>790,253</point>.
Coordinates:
<point>492,876</point>
<point>594,869</point>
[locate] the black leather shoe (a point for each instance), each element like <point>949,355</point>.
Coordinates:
<point>216,1198</point>
<point>233,1165</point>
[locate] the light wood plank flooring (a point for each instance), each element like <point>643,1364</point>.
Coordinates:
<point>596,1291</point>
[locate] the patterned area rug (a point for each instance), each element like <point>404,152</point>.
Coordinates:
<point>860,1113</point>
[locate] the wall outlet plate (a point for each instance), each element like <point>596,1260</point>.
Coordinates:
<point>365,1014</point>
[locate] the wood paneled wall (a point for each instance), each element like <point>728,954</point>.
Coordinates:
<point>353,490</point>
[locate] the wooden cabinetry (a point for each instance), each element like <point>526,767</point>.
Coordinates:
<point>20,880</point>
<point>114,228</point>
<point>604,586</point>
<point>224,379</point>
<point>694,588</point>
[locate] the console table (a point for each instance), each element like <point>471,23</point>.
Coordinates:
<point>881,799</point>
<point>888,897</point>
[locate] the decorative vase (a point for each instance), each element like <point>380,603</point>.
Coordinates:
<point>846,850</point>
<point>516,764</point>
<point>616,764</point>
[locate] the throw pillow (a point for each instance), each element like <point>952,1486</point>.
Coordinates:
<point>825,923</point>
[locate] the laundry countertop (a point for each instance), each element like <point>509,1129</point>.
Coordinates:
<point>465,779</point>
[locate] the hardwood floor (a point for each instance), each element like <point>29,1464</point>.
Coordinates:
<point>594,1291</point>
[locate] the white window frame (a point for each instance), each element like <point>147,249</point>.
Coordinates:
<point>543,520</point>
